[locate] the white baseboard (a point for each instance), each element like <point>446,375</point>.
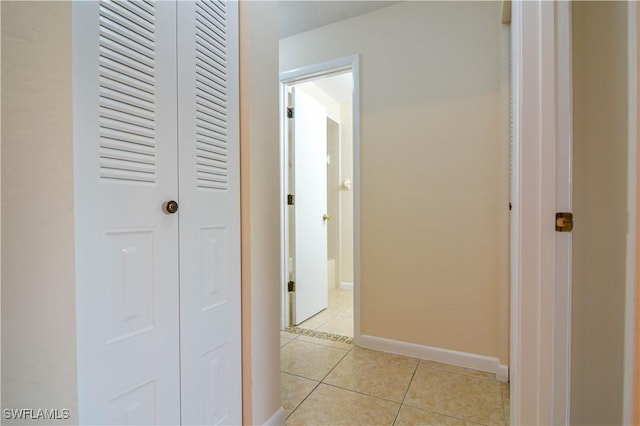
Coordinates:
<point>430,353</point>
<point>503,372</point>
<point>278,418</point>
<point>346,286</point>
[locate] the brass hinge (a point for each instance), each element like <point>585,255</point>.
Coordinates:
<point>291,285</point>
<point>564,222</point>
<point>291,199</point>
<point>289,112</point>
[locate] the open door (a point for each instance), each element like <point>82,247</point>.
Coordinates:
<point>309,155</point>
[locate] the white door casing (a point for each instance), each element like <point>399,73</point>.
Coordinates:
<point>208,121</point>
<point>541,270</point>
<point>564,198</point>
<point>310,188</point>
<point>149,298</point>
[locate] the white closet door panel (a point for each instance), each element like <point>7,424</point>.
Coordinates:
<point>208,123</point>
<point>126,246</point>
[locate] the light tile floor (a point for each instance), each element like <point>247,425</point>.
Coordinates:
<point>337,318</point>
<point>332,383</point>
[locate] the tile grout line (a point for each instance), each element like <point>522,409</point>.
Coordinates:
<point>464,419</point>
<point>317,385</point>
<point>415,370</point>
<point>304,399</point>
<point>299,376</point>
<point>361,393</point>
<point>334,367</point>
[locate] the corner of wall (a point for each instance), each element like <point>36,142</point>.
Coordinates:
<point>259,140</point>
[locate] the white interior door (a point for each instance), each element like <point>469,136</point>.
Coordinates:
<point>208,120</point>
<point>126,245</point>
<point>310,189</point>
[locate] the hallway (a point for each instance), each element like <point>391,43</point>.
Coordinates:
<point>328,382</point>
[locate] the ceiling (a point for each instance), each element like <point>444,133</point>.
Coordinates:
<point>339,87</point>
<point>297,16</point>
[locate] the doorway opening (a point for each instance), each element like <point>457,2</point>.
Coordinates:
<point>319,189</point>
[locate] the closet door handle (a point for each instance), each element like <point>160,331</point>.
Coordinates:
<point>170,207</point>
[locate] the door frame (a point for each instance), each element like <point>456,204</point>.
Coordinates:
<point>632,323</point>
<point>540,280</point>
<point>298,75</point>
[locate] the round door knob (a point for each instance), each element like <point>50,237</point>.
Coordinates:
<point>170,207</point>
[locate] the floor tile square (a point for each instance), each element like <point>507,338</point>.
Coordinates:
<point>475,399</point>
<point>341,325</point>
<point>293,390</point>
<point>286,335</point>
<point>328,405</point>
<point>506,401</point>
<point>309,359</point>
<point>318,319</point>
<point>410,416</point>
<point>374,373</point>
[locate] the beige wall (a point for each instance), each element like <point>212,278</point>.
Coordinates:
<point>260,209</point>
<point>434,168</point>
<point>38,288</point>
<point>600,206</point>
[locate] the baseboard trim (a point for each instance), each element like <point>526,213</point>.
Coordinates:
<point>430,353</point>
<point>503,373</point>
<point>278,418</point>
<point>346,286</point>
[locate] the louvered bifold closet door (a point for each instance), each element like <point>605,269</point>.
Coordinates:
<point>125,168</point>
<point>208,122</point>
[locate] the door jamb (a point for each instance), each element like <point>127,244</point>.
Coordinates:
<point>348,63</point>
<point>563,203</point>
<point>631,297</point>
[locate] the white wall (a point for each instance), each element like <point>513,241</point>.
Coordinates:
<point>600,206</point>
<point>38,287</point>
<point>434,168</point>
<point>260,177</point>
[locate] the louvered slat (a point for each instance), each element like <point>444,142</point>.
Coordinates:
<point>127,92</point>
<point>211,96</point>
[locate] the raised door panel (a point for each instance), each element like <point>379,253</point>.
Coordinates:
<point>208,123</point>
<point>124,81</point>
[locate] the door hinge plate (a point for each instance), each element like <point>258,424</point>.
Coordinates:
<point>564,222</point>
<point>291,199</point>
<point>290,112</point>
<point>291,286</point>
